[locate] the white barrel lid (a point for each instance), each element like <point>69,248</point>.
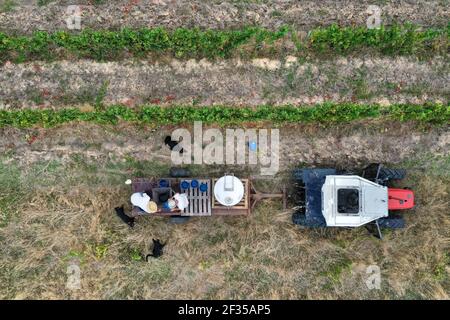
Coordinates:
<point>227,197</point>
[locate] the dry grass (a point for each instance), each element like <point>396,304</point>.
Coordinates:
<point>263,256</point>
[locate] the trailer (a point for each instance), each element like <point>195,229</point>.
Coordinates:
<point>322,197</point>
<point>207,196</point>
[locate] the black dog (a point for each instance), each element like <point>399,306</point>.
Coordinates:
<point>157,250</point>
<point>123,216</point>
<point>172,143</point>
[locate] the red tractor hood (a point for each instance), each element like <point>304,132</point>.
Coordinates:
<point>399,199</point>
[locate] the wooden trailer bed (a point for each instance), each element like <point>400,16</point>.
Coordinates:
<point>200,203</point>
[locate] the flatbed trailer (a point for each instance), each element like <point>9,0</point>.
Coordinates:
<point>200,203</point>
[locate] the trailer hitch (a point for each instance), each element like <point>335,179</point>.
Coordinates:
<point>256,196</point>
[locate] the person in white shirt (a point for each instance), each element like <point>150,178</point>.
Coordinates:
<point>181,201</point>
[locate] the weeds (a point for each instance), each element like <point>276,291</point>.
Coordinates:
<point>336,269</point>
<point>10,191</point>
<point>135,255</point>
<point>7,6</point>
<point>440,272</point>
<point>43,3</point>
<point>100,250</point>
<point>101,96</point>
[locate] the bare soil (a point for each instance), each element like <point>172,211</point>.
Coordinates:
<point>352,145</point>
<point>26,16</point>
<point>232,82</point>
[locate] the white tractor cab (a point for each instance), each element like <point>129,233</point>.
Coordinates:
<point>326,198</point>
<point>352,201</point>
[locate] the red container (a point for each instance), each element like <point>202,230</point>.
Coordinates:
<point>400,199</point>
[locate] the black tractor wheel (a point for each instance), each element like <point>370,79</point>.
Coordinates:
<point>391,223</point>
<point>179,219</point>
<point>299,218</point>
<point>179,172</point>
<point>391,174</point>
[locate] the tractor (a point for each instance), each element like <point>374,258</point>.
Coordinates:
<point>333,198</point>
<point>322,197</point>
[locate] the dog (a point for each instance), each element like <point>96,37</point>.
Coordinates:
<point>124,217</point>
<point>172,144</point>
<point>157,250</point>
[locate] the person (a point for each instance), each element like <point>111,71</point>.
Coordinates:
<point>181,200</point>
<point>178,201</point>
<point>143,201</point>
<point>169,204</point>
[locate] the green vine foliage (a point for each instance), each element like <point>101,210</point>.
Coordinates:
<point>437,114</point>
<point>394,40</point>
<point>103,45</point>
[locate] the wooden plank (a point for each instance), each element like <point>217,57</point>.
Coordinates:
<point>227,212</point>
<point>205,198</point>
<point>211,196</point>
<point>191,203</point>
<point>199,202</point>
<point>142,184</point>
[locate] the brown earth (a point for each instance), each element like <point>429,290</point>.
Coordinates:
<point>342,145</point>
<point>230,82</point>
<point>26,16</point>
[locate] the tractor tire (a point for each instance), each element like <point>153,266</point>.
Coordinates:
<point>391,174</point>
<point>391,223</point>
<point>179,219</point>
<point>299,219</point>
<point>179,172</point>
<point>347,172</point>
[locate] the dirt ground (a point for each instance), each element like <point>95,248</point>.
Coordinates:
<point>59,190</point>
<point>354,144</point>
<point>26,16</point>
<point>232,82</point>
